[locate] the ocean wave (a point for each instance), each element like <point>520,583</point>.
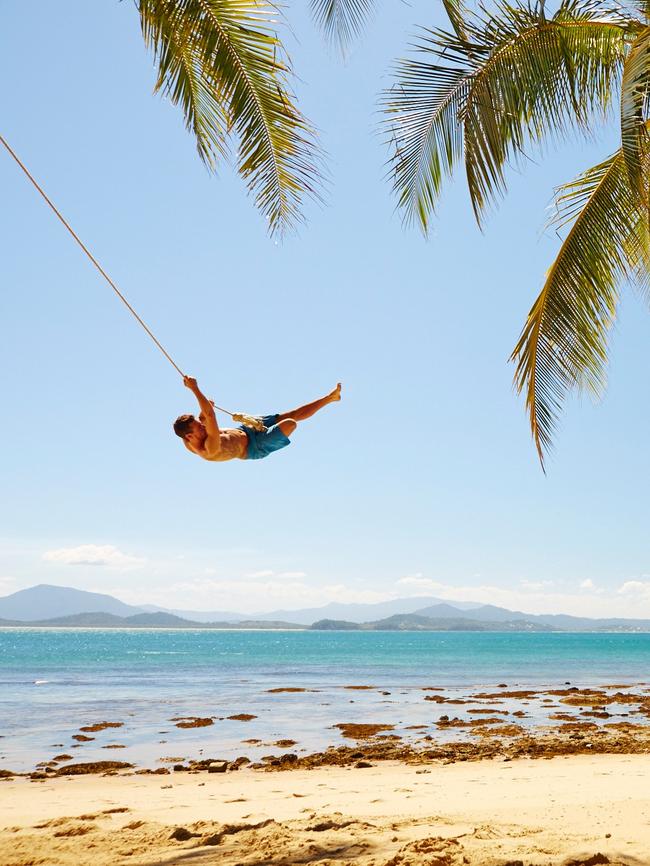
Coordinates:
<point>164,652</point>
<point>157,652</point>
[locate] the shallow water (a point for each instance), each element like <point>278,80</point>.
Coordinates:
<point>54,681</point>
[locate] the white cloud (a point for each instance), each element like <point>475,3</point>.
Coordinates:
<point>587,584</point>
<point>535,585</point>
<point>268,572</point>
<point>93,554</point>
<point>637,589</point>
<point>420,585</point>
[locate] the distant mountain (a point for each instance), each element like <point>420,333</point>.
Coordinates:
<point>444,610</point>
<point>489,613</point>
<point>416,622</point>
<point>94,619</point>
<point>45,602</point>
<point>335,625</point>
<point>158,620</point>
<point>61,606</point>
<point>198,615</point>
<point>98,619</point>
<point>563,622</point>
<point>358,612</point>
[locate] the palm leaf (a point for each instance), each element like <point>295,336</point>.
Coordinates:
<point>181,78</point>
<point>427,135</point>
<point>341,21</point>
<point>544,79</point>
<point>635,87</point>
<point>513,78</point>
<point>457,13</point>
<point>642,7</point>
<point>565,340</point>
<point>223,63</point>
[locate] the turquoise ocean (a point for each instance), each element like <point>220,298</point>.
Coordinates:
<point>52,682</point>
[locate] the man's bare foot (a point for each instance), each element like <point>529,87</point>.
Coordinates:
<point>335,394</point>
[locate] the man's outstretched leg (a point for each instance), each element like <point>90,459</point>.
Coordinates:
<point>304,412</point>
<point>280,427</point>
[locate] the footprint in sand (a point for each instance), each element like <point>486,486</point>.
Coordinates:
<point>75,830</point>
<point>442,852</point>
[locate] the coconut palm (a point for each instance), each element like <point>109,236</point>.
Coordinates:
<point>341,20</point>
<point>486,90</point>
<point>223,63</point>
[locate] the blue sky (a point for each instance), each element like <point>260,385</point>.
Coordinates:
<point>423,480</point>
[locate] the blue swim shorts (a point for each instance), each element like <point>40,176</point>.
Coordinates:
<point>261,444</point>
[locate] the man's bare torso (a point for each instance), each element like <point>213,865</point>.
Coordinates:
<point>234,445</point>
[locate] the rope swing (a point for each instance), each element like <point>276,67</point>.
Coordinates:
<point>248,420</point>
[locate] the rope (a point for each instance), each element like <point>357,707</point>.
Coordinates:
<point>99,267</point>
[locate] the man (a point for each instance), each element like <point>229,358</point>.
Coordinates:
<point>205,438</point>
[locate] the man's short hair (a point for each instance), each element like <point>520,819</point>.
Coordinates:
<point>183,425</point>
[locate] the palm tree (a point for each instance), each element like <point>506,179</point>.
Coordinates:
<point>223,63</point>
<point>341,20</point>
<point>486,90</point>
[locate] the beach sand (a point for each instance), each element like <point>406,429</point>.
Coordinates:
<point>588,809</point>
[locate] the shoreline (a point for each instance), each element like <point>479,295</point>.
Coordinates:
<point>310,727</point>
<point>424,775</point>
<point>586,809</point>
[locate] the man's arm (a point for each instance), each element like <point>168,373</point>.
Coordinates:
<point>207,417</point>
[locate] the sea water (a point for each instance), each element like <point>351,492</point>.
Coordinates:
<point>52,681</point>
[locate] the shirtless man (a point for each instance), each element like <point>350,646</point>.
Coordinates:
<point>205,438</point>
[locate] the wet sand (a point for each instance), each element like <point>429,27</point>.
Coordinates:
<point>265,727</point>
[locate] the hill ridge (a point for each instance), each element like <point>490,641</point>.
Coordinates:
<point>56,606</point>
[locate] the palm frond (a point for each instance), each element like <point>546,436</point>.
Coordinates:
<point>514,78</point>
<point>223,63</point>
<point>635,89</point>
<point>457,13</point>
<point>427,135</point>
<point>545,79</point>
<point>565,339</point>
<point>641,7</point>
<point>181,78</point>
<point>341,21</point>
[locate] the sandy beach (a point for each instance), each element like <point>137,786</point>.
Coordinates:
<point>482,787</point>
<point>587,809</point>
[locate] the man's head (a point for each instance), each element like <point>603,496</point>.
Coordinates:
<point>190,430</point>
